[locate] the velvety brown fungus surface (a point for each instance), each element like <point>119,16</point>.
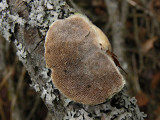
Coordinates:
<point>80,69</point>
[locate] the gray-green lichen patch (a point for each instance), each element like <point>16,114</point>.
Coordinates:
<point>78,115</point>
<point>45,12</point>
<point>3,5</point>
<point>36,87</point>
<point>44,72</point>
<point>49,97</point>
<point>120,107</point>
<point>42,14</point>
<point>47,92</point>
<point>8,21</point>
<point>21,52</point>
<point>67,101</point>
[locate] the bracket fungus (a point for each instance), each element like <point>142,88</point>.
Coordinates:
<point>75,51</point>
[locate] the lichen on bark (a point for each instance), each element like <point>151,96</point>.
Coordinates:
<point>25,23</point>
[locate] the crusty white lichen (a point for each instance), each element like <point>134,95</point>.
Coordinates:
<point>47,91</point>
<point>127,110</point>
<point>7,28</point>
<point>66,102</point>
<point>8,21</point>
<point>44,72</point>
<point>46,94</point>
<point>45,12</point>
<point>77,115</point>
<point>36,87</point>
<point>42,14</point>
<point>21,52</point>
<point>3,5</point>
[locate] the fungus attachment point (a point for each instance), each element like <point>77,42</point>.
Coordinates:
<point>75,51</point>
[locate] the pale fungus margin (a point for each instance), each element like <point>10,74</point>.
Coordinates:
<point>75,51</point>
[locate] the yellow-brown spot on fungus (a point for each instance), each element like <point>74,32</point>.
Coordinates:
<point>81,70</point>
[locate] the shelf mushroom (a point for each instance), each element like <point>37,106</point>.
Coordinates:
<point>75,51</point>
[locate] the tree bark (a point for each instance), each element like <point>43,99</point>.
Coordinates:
<point>25,22</point>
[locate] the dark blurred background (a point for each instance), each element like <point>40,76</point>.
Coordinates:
<point>134,32</point>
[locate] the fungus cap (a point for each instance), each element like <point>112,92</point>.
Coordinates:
<point>81,70</point>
